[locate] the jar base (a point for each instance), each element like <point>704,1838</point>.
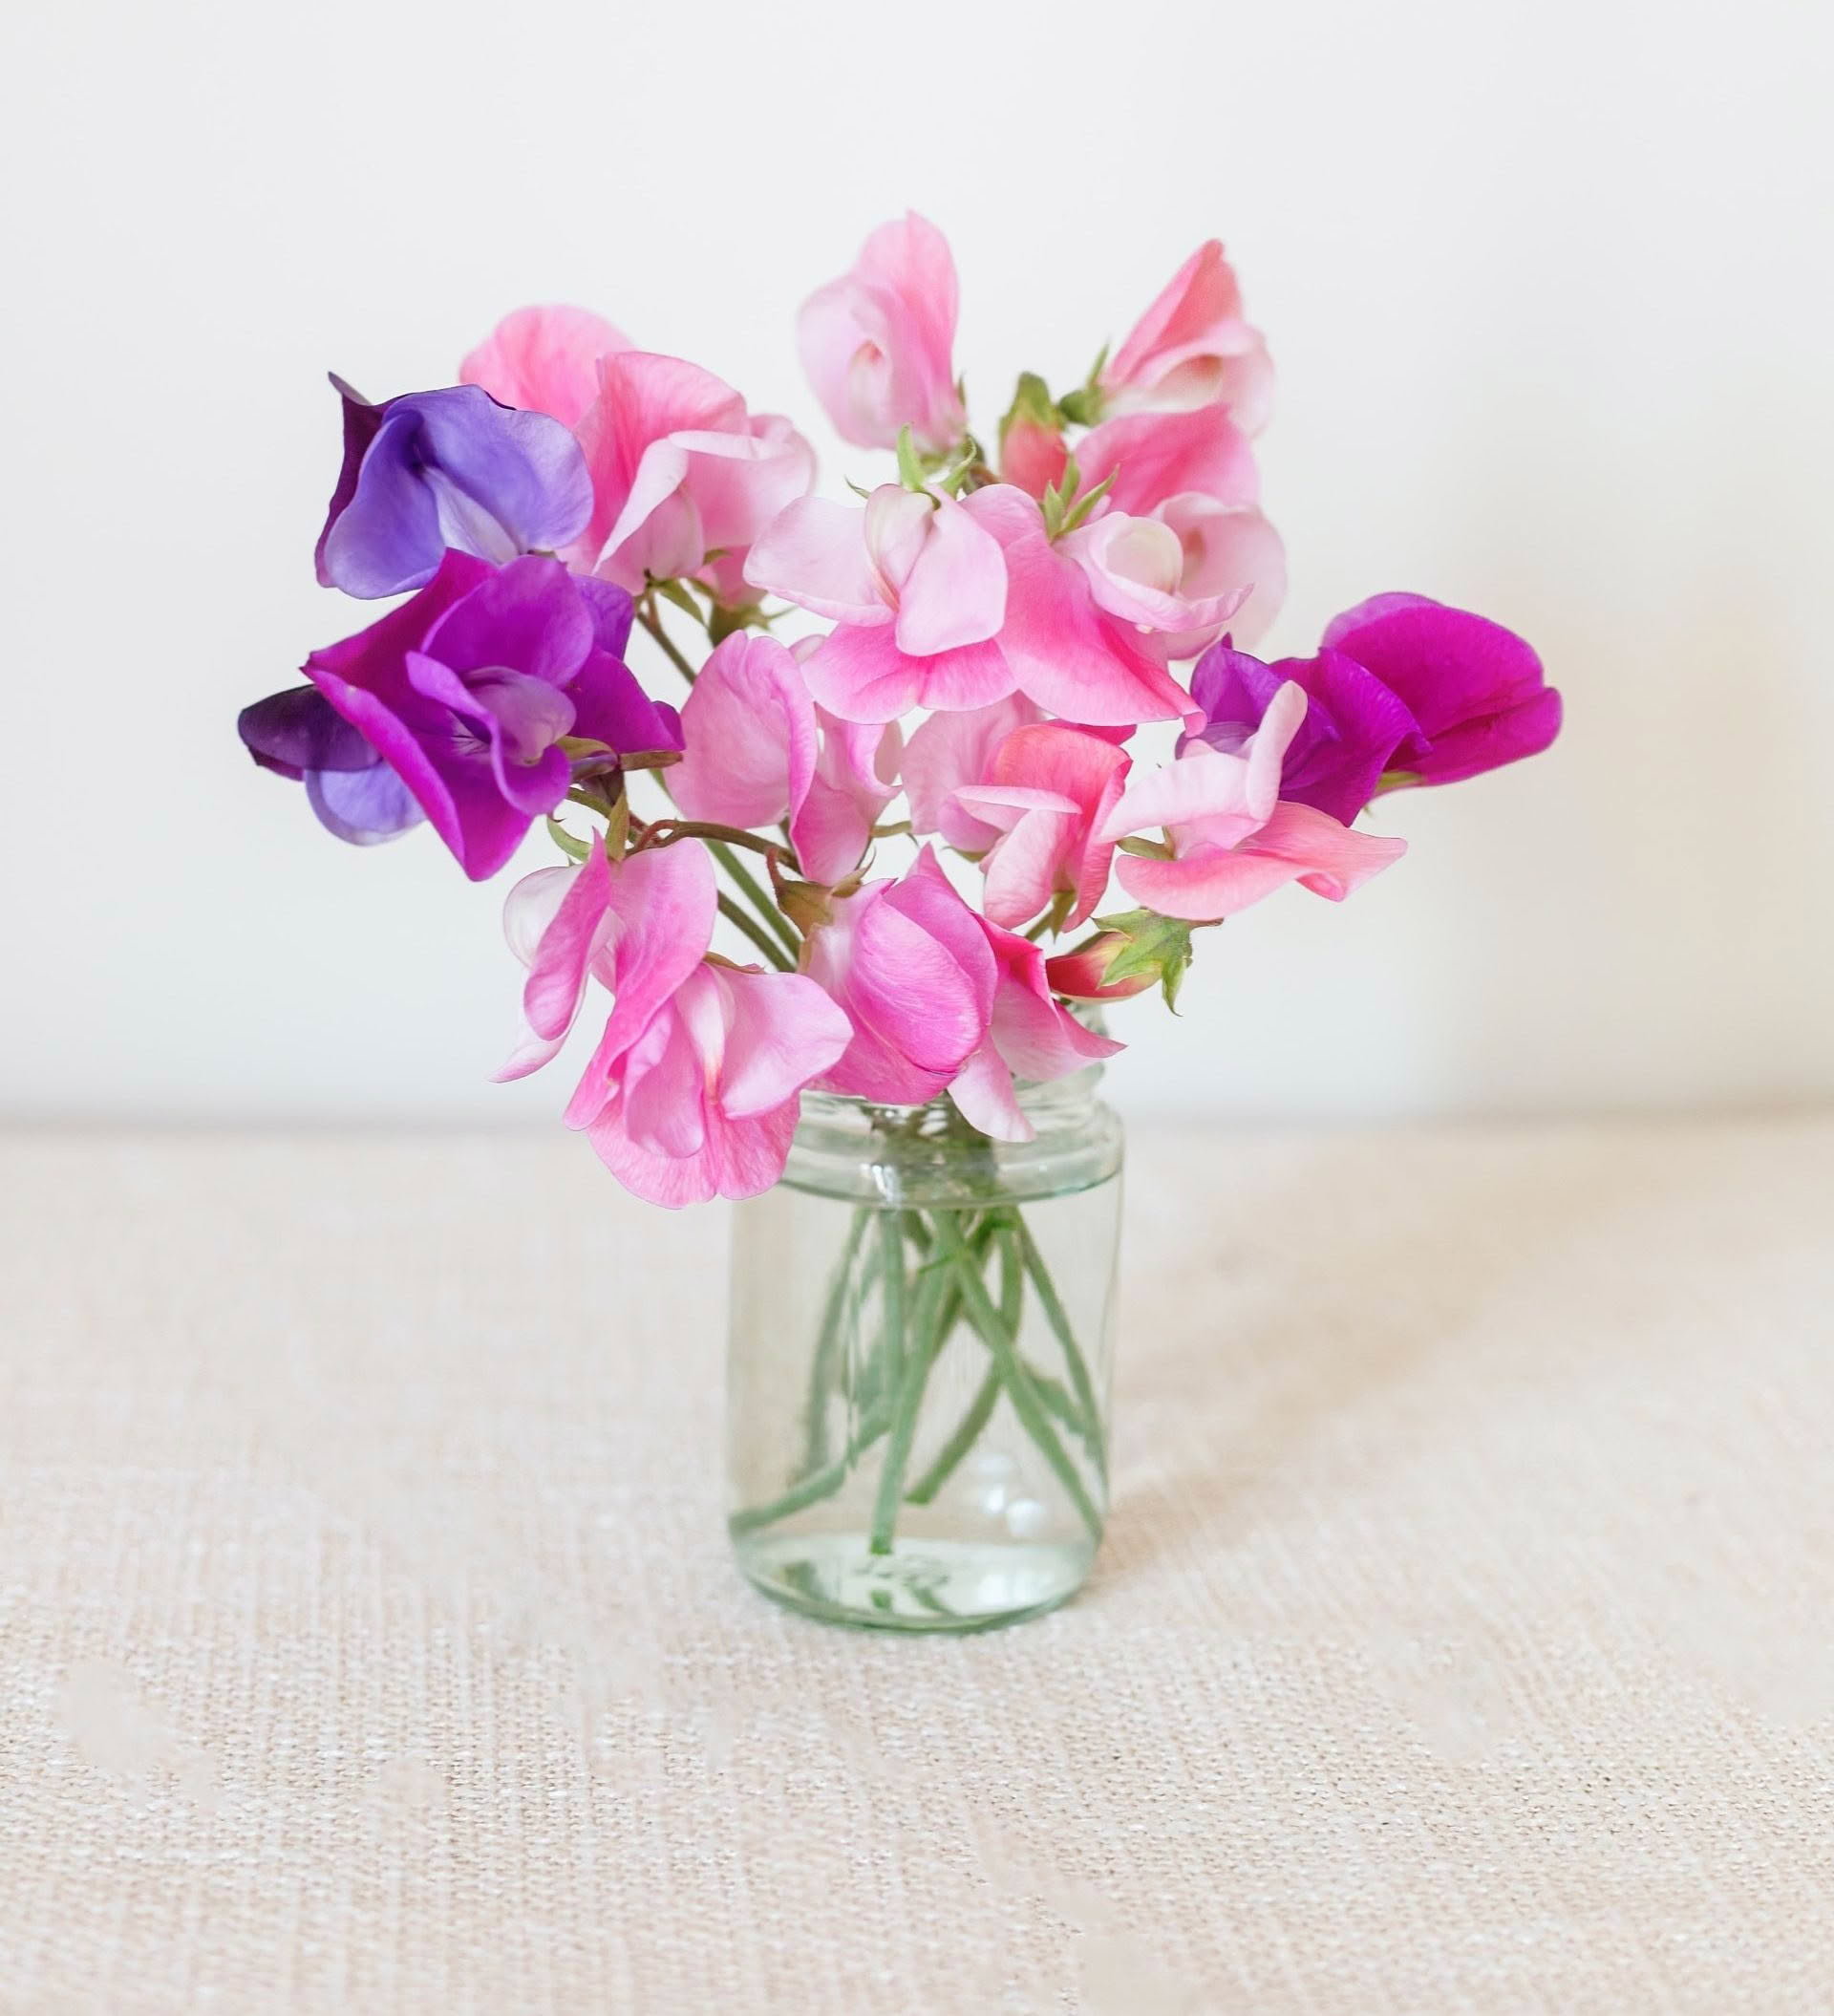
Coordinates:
<point>921,1585</point>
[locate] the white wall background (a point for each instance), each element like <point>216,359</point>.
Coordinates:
<point>1550,290</point>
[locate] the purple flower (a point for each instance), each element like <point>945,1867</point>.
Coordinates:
<point>1403,691</point>
<point>433,470</point>
<point>300,735</point>
<point>463,694</point>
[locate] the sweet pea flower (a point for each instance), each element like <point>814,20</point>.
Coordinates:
<point>1081,613</point>
<point>692,1091</point>
<point>1195,473</point>
<point>916,587</point>
<point>877,343</point>
<point>1193,348</point>
<point>466,691</point>
<point>1030,1036</point>
<point>757,750</point>
<point>1352,727</point>
<point>355,794</point>
<point>948,751</point>
<point>449,469</point>
<point>1082,972</point>
<point>544,360</point>
<point>1232,840</point>
<point>911,966</point>
<point>684,479</point>
<point>1476,689</point>
<point>1046,792</point>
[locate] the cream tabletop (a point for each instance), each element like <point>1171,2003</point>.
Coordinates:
<point>1464,1639</point>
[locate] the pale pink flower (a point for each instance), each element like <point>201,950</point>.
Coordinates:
<point>1046,792</point>
<point>683,478</point>
<point>917,590</point>
<point>759,750</point>
<point>1195,474</point>
<point>877,343</point>
<point>948,751</point>
<point>1233,840</point>
<point>544,360</point>
<point>1193,347</point>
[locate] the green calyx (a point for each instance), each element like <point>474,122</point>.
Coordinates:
<point>1156,946</point>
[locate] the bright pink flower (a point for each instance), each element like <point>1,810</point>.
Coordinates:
<point>683,478</point>
<point>1194,473</point>
<point>916,587</point>
<point>1193,348</point>
<point>877,343</point>
<point>1046,792</point>
<point>759,750</point>
<point>948,751</point>
<point>544,360</point>
<point>704,1103</point>
<point>910,964</point>
<point>1073,636</point>
<point>1029,1037</point>
<point>1232,840</point>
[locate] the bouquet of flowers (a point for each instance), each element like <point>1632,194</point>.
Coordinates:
<point>993,621</point>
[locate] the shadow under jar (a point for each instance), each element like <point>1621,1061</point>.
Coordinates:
<point>917,1384</point>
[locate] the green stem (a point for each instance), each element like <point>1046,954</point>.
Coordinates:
<point>915,1358</point>
<point>1013,1375</point>
<point>1058,1317</point>
<point>749,886</point>
<point>827,1344</point>
<point>967,1432</point>
<point>818,1485</point>
<point>653,623</point>
<point>755,932</point>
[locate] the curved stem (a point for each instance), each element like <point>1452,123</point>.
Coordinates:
<point>653,623</point>
<point>755,932</point>
<point>749,886</point>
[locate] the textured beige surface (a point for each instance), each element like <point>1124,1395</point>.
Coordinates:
<point>1465,1639</point>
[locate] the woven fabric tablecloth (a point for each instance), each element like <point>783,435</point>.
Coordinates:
<point>1464,1639</point>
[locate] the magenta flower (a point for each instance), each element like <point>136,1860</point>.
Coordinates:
<point>876,343</point>
<point>692,1090</point>
<point>1231,839</point>
<point>434,470</point>
<point>466,691</point>
<point>1404,690</point>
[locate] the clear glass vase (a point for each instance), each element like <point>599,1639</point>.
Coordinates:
<point>917,1390</point>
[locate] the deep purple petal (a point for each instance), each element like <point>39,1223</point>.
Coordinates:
<point>388,537</point>
<point>363,806</point>
<point>361,420</point>
<point>300,730</point>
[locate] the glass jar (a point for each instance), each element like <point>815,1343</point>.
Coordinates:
<point>917,1387</point>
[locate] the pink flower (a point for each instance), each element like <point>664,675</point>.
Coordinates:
<point>916,587</point>
<point>950,750</point>
<point>1046,792</point>
<point>1195,474</point>
<point>1080,613</point>
<point>1193,348</point>
<point>683,478</point>
<point>876,343</point>
<point>1029,1037</point>
<point>759,750</point>
<point>1082,974</point>
<point>544,360</point>
<point>910,964</point>
<point>1032,456</point>
<point>1232,839</point>
<point>704,1103</point>
<point>692,1091</point>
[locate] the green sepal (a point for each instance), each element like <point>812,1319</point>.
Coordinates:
<point>1088,501</point>
<point>673,592</point>
<point>911,464</point>
<point>1156,944</point>
<point>1032,401</point>
<point>573,848</point>
<point>1398,780</point>
<point>1058,496</point>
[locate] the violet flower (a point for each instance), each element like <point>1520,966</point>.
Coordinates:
<point>299,734</point>
<point>465,693</point>
<point>452,469</point>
